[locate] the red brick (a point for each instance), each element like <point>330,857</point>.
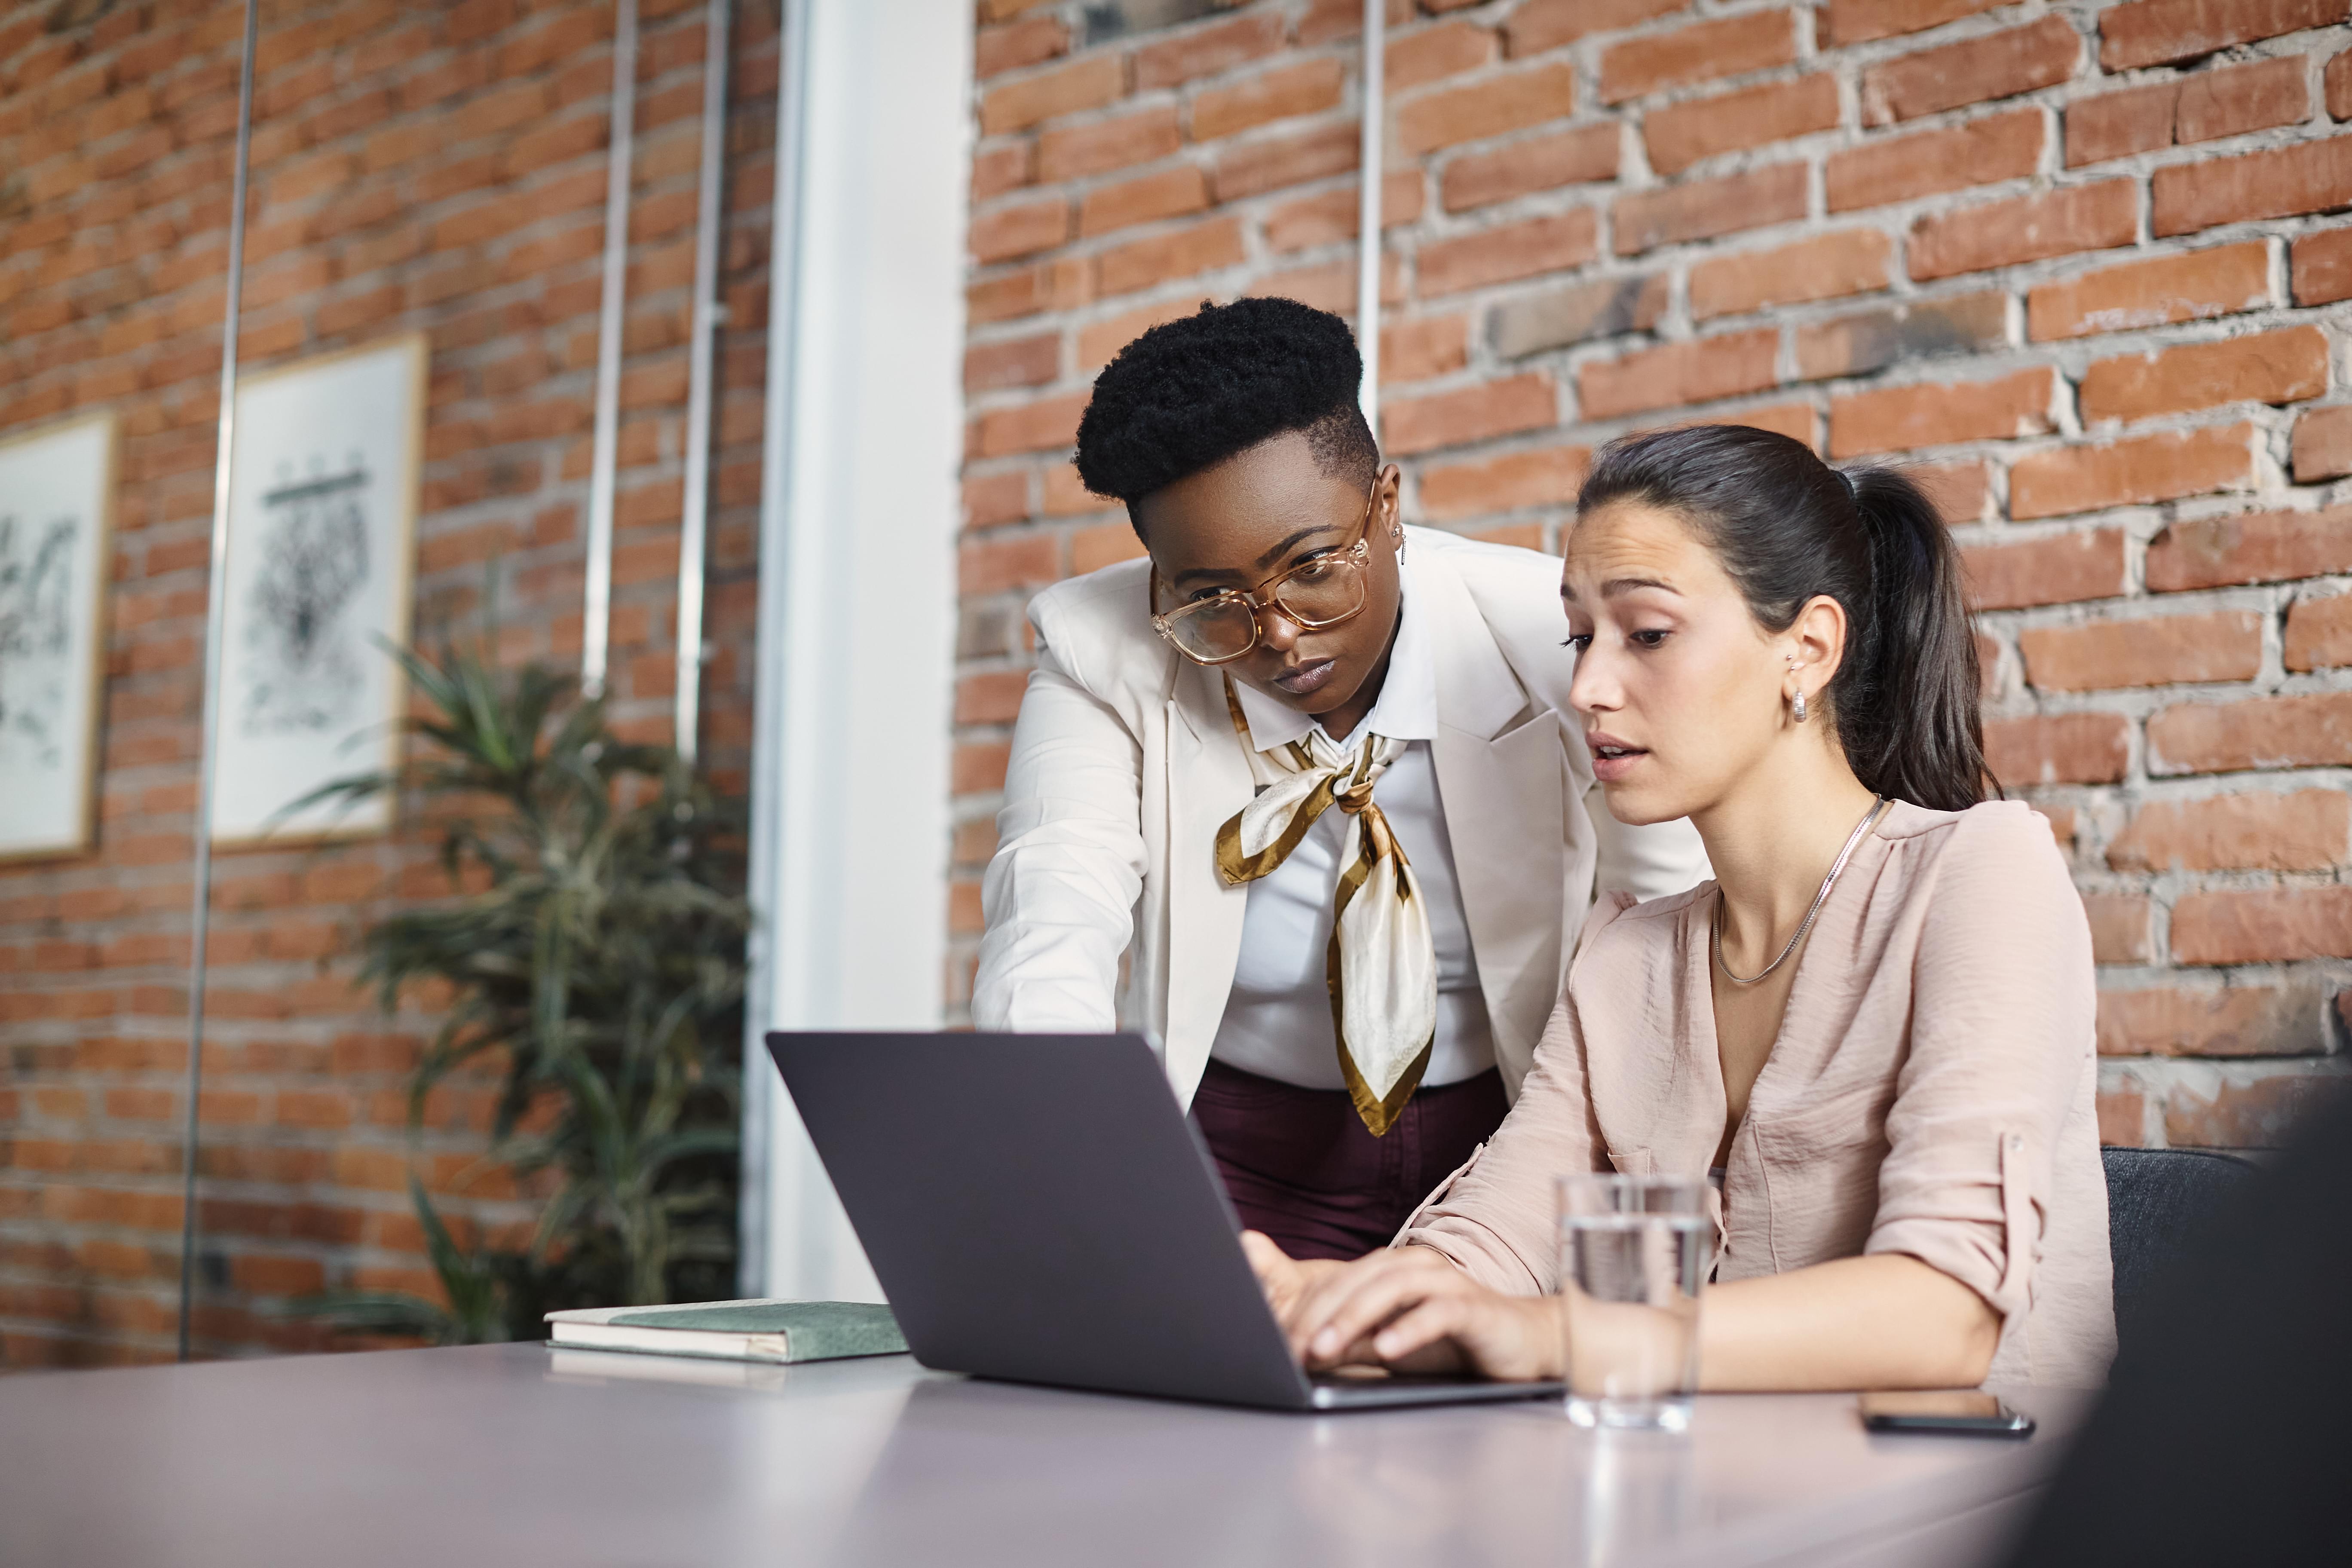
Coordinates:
<point>979,769</point>
<point>1574,157</point>
<point>1431,54</point>
<point>1860,21</point>
<point>2053,569</point>
<point>1205,51</point>
<point>1169,192</point>
<point>1821,267</point>
<point>991,697</point>
<point>2306,831</point>
<point>2163,650</point>
<point>1281,93</point>
<point>2236,1021</point>
<point>2058,748</point>
<point>2262,927</point>
<point>2322,264</point>
<point>2201,108</point>
<point>2266,367</point>
<point>2122,1115</point>
<point>1700,52</point>
<point>2323,445</point>
<point>2121,928</point>
<point>1266,163</point>
<point>2163,32</point>
<point>2313,731</point>
<point>1540,25</point>
<point>1092,82</point>
<point>1899,418</point>
<point>1098,146</point>
<point>1700,371</point>
<point>1794,420</point>
<point>997,565</point>
<point>1419,347</point>
<point>1141,263</point>
<point>2258,547</point>
<point>2145,469</point>
<point>1702,209</point>
<point>1540,476</point>
<point>2309,176</point>
<point>1336,213</point>
<point>1499,407</point>
<point>2256,1115</point>
<point>1490,106</point>
<point>1683,133</point>
<point>1028,42</point>
<point>1899,169</point>
<point>1871,339</point>
<point>1018,361</point>
<point>1995,65</point>
<point>990,499</point>
<point>2319,634</point>
<point>1508,252</point>
<point>2191,287</point>
<point>2025,229</point>
<point>1007,166</point>
<point>1557,317</point>
<point>1049,424</point>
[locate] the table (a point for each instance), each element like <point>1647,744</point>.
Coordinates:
<point>510,1456</point>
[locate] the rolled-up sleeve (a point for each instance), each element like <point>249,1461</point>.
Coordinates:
<point>1496,1218</point>
<point>2003,1031</point>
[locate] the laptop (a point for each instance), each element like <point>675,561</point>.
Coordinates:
<point>1038,1210</point>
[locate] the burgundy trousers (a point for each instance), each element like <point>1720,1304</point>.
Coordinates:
<point>1301,1165</point>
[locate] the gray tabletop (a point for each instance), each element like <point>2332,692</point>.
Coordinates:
<point>510,1456</point>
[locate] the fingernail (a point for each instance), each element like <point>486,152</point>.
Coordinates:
<point>1327,1341</point>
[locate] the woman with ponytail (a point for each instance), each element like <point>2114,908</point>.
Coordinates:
<point>1873,1030</point>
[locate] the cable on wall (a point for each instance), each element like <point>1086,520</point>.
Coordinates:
<point>216,614</point>
<point>596,619</point>
<point>694,526</point>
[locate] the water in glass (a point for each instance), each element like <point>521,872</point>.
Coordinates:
<point>1635,1253</point>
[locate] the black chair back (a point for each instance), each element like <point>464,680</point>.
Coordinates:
<point>2158,1200</point>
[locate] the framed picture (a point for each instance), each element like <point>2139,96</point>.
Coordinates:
<point>56,515</point>
<point>322,525</point>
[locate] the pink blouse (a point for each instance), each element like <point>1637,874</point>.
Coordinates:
<point>1931,1090</point>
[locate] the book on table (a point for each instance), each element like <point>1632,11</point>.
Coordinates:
<point>766,1331</point>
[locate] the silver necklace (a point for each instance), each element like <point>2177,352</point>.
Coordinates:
<point>1877,805</point>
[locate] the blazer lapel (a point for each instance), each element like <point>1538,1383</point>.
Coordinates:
<point>1501,779</point>
<point>1208,783</point>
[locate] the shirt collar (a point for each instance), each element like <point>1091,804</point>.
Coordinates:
<point>1407,707</point>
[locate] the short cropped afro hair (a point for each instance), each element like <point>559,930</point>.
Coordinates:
<point>1192,392</point>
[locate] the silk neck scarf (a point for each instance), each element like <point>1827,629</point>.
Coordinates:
<point>1381,961</point>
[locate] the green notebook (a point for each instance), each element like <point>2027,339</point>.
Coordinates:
<point>770,1330</point>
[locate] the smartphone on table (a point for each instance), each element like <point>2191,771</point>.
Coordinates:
<point>1967,1412</point>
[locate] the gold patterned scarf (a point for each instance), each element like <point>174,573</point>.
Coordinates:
<point>1381,962</point>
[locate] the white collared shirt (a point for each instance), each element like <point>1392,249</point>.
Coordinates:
<point>1277,1020</point>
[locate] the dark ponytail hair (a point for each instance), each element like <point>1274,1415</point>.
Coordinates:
<point>1786,527</point>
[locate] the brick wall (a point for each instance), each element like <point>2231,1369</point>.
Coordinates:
<point>438,168</point>
<point>2072,259</point>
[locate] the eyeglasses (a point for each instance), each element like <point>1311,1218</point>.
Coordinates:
<point>1319,594</point>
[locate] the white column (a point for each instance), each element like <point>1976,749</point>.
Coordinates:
<point>856,578</point>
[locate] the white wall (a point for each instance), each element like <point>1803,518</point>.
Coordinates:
<point>857,579</point>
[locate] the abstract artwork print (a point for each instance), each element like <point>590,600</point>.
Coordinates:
<point>321,519</point>
<point>56,490</point>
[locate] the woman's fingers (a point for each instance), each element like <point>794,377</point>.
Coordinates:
<point>1278,1274</point>
<point>1368,1296</point>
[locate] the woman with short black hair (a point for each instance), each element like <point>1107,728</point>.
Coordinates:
<point>1873,1030</point>
<point>1305,773</point>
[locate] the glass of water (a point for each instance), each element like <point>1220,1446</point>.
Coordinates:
<point>1634,1252</point>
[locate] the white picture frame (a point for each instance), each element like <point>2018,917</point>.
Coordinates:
<point>322,550</point>
<point>57,564</point>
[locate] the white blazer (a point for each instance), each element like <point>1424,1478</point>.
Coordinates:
<point>1124,763</point>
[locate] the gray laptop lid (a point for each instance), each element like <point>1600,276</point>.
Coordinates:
<point>1037,1208</point>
